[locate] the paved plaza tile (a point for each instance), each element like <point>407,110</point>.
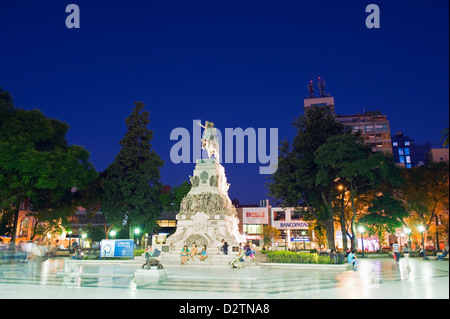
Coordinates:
<point>372,279</point>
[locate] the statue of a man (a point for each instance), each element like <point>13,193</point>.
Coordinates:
<point>210,142</point>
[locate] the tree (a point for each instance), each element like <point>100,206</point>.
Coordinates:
<point>426,193</point>
<point>269,233</point>
<point>171,200</point>
<point>348,160</point>
<point>38,168</point>
<point>385,214</point>
<point>444,137</point>
<point>131,186</point>
<point>294,183</point>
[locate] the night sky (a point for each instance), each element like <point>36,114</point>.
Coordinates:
<point>237,63</point>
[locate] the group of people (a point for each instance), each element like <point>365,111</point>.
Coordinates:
<point>193,253</point>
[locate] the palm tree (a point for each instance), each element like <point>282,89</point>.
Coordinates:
<point>444,137</point>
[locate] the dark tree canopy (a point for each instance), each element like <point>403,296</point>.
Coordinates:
<point>131,186</point>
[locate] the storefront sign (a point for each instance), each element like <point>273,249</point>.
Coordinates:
<point>255,215</point>
<point>290,225</point>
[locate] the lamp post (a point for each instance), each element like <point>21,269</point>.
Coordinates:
<point>113,233</point>
<point>422,230</point>
<point>408,232</point>
<point>361,231</point>
<point>137,232</point>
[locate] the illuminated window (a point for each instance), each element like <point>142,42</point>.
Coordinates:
<point>279,215</point>
<point>406,150</point>
<point>406,143</point>
<point>394,143</point>
<point>167,223</point>
<point>381,127</point>
<point>252,229</point>
<point>408,165</point>
<point>408,159</point>
<point>400,151</point>
<point>402,159</point>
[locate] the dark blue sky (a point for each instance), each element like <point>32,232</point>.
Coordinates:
<point>237,63</point>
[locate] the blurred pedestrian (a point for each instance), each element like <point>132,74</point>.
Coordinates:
<point>396,251</point>
<point>35,254</point>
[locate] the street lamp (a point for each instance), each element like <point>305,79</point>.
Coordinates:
<point>421,228</point>
<point>137,232</point>
<point>361,231</point>
<point>113,233</point>
<point>408,232</point>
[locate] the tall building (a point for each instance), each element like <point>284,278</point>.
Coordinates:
<point>374,128</point>
<point>407,153</point>
<point>324,100</point>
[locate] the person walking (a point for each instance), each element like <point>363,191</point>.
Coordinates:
<point>225,247</point>
<point>35,254</point>
<point>396,251</point>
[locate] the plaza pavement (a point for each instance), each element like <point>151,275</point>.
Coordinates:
<point>372,279</point>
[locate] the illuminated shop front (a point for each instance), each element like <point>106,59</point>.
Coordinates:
<point>253,219</point>
<point>294,231</point>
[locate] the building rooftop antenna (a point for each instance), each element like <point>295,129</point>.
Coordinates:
<point>311,89</point>
<point>321,85</point>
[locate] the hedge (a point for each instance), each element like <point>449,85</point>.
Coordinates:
<point>297,258</point>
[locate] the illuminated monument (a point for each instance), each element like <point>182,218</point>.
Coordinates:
<point>206,213</point>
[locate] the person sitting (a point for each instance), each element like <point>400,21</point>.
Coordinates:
<point>203,254</point>
<point>352,259</point>
<point>194,251</point>
<point>184,254</point>
<point>442,255</point>
<point>248,250</point>
<point>148,253</point>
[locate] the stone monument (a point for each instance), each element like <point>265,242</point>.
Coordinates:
<point>206,213</point>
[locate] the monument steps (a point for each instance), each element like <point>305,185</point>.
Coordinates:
<point>211,260</point>
<point>240,284</point>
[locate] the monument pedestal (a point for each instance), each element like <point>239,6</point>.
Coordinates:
<point>206,213</point>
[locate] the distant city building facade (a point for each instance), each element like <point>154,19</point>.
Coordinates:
<point>374,126</point>
<point>406,153</point>
<point>436,155</point>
